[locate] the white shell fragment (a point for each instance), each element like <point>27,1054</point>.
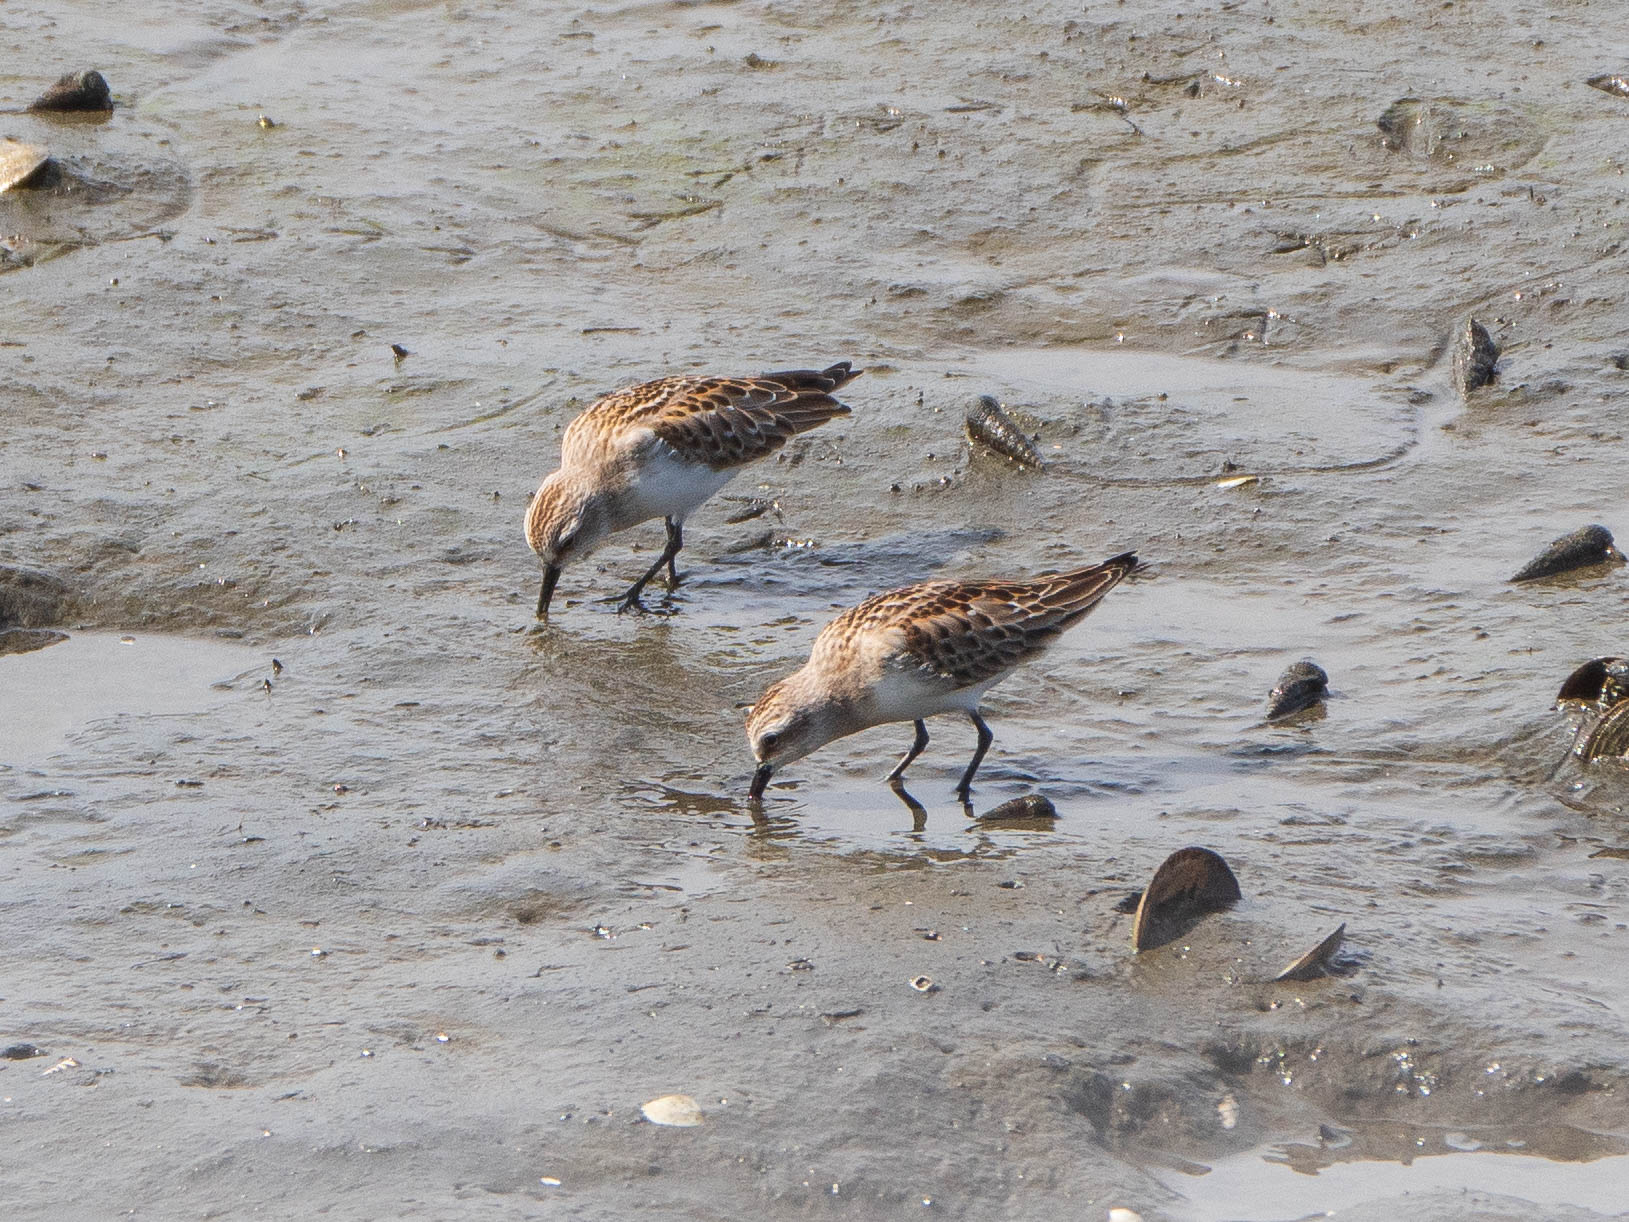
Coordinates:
<point>1125,1215</point>
<point>19,162</point>
<point>1238,481</point>
<point>678,1111</point>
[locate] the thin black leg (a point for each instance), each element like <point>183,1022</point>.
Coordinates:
<point>985,739</point>
<point>675,540</point>
<point>916,750</point>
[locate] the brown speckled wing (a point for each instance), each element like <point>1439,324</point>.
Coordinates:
<point>968,632</point>
<point>721,422</point>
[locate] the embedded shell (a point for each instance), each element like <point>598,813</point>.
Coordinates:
<point>20,162</point>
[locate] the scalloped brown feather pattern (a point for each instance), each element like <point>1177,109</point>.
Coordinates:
<point>720,422</point>
<point>968,632</point>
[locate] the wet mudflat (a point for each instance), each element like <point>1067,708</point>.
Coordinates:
<point>411,922</point>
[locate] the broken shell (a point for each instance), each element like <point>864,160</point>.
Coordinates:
<point>1238,481</point>
<point>1602,680</point>
<point>676,1111</point>
<point>989,426</point>
<point>924,984</point>
<point>1610,737</point>
<point>1189,883</point>
<point>1586,546</point>
<point>1031,806</point>
<point>19,163</point>
<point>1316,961</point>
<point>1300,687</point>
<point>1476,357</point>
<point>1615,83</point>
<point>76,91</point>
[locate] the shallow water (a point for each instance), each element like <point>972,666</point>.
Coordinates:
<point>412,922</point>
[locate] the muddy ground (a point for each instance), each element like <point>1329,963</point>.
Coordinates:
<point>334,884</point>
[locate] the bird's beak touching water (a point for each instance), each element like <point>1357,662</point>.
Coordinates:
<point>759,780</point>
<point>551,574</point>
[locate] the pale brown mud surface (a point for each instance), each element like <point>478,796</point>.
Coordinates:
<point>415,930</point>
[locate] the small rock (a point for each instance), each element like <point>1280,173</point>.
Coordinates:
<point>76,91</point>
<point>1476,357</point>
<point>1299,688</point>
<point>1588,545</point>
<point>1615,83</point>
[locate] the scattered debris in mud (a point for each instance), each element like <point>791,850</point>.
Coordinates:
<point>1299,688</point>
<point>76,91</point>
<point>989,425</point>
<point>1583,548</point>
<point>1476,357</point>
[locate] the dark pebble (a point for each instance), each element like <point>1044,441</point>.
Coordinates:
<point>1299,688</point>
<point>1585,546</point>
<point>21,1052</point>
<point>1476,357</point>
<point>76,91</point>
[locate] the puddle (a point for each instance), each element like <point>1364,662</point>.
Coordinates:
<point>1263,1187</point>
<point>48,695</point>
<point>1171,419</point>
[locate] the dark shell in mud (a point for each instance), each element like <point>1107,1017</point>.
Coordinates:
<point>1476,357</point>
<point>76,91</point>
<point>1615,83</point>
<point>1610,737</point>
<point>989,426</point>
<point>1585,546</point>
<point>21,165</point>
<point>1188,884</point>
<point>1599,681</point>
<point>1299,688</point>
<point>1316,962</point>
<point>1032,807</point>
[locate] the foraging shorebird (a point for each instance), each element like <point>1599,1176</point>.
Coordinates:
<point>658,450</point>
<point>907,654</point>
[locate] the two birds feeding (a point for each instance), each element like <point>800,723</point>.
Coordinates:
<point>662,448</point>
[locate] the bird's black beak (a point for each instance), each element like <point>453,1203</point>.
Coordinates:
<point>551,574</point>
<point>759,780</point>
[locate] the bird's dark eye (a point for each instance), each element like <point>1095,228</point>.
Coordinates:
<point>770,739</point>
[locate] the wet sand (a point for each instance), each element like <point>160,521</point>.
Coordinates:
<point>411,924</point>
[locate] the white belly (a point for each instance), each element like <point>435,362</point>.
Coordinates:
<point>906,694</point>
<point>666,486</point>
